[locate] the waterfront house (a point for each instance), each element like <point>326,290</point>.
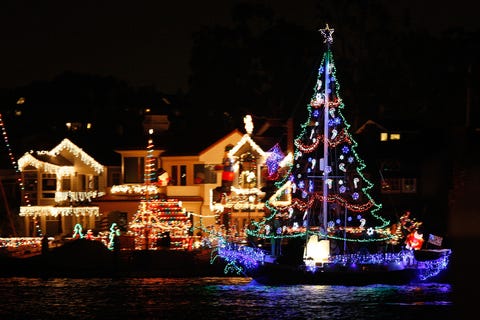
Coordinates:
<point>58,187</point>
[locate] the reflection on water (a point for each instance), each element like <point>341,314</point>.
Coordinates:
<point>216,298</point>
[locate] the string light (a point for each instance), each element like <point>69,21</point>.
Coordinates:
<point>7,144</point>
<point>12,158</point>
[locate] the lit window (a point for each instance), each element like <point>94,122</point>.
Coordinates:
<point>49,185</point>
<point>395,136</point>
<point>409,185</point>
<point>183,175</point>
<point>204,173</point>
<point>399,185</point>
<point>383,136</point>
<point>73,126</point>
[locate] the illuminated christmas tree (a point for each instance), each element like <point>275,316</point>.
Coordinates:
<point>325,192</point>
<point>321,222</point>
<point>159,222</point>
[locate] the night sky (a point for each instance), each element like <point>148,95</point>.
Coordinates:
<point>149,42</point>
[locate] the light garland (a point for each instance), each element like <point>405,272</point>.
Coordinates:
<point>241,259</point>
<point>246,139</point>
<point>13,162</point>
<point>135,189</point>
<point>32,211</point>
<point>17,244</point>
<point>62,196</point>
<point>431,268</point>
<point>78,153</point>
<point>29,160</point>
<point>7,144</point>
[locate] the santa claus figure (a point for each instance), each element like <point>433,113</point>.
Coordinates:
<point>414,241</point>
<point>89,235</point>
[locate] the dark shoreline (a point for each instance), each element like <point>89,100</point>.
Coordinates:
<point>85,259</point>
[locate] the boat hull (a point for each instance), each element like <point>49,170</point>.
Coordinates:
<point>278,274</point>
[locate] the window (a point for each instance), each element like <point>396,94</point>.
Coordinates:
<point>49,182</point>
<point>399,185</point>
<point>81,182</point>
<point>174,177</point>
<point>49,185</point>
<point>204,173</point>
<point>66,184</point>
<point>395,136</point>
<point>391,185</point>
<point>134,169</point>
<point>183,175</point>
<point>409,185</point>
<point>30,184</point>
<point>179,176</point>
<point>30,181</point>
<point>248,170</point>
<point>115,178</point>
<point>96,183</point>
<point>385,136</point>
<point>92,183</point>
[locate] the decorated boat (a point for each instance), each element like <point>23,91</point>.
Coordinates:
<point>322,225</point>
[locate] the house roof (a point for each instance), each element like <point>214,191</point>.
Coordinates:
<point>194,143</point>
<point>369,123</point>
<point>389,125</point>
<point>58,159</point>
<point>54,160</point>
<point>245,144</point>
<point>210,146</point>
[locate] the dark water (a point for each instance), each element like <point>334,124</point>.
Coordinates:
<point>216,298</point>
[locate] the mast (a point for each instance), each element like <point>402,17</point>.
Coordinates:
<point>328,39</point>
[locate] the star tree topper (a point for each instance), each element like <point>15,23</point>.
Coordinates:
<point>327,33</point>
